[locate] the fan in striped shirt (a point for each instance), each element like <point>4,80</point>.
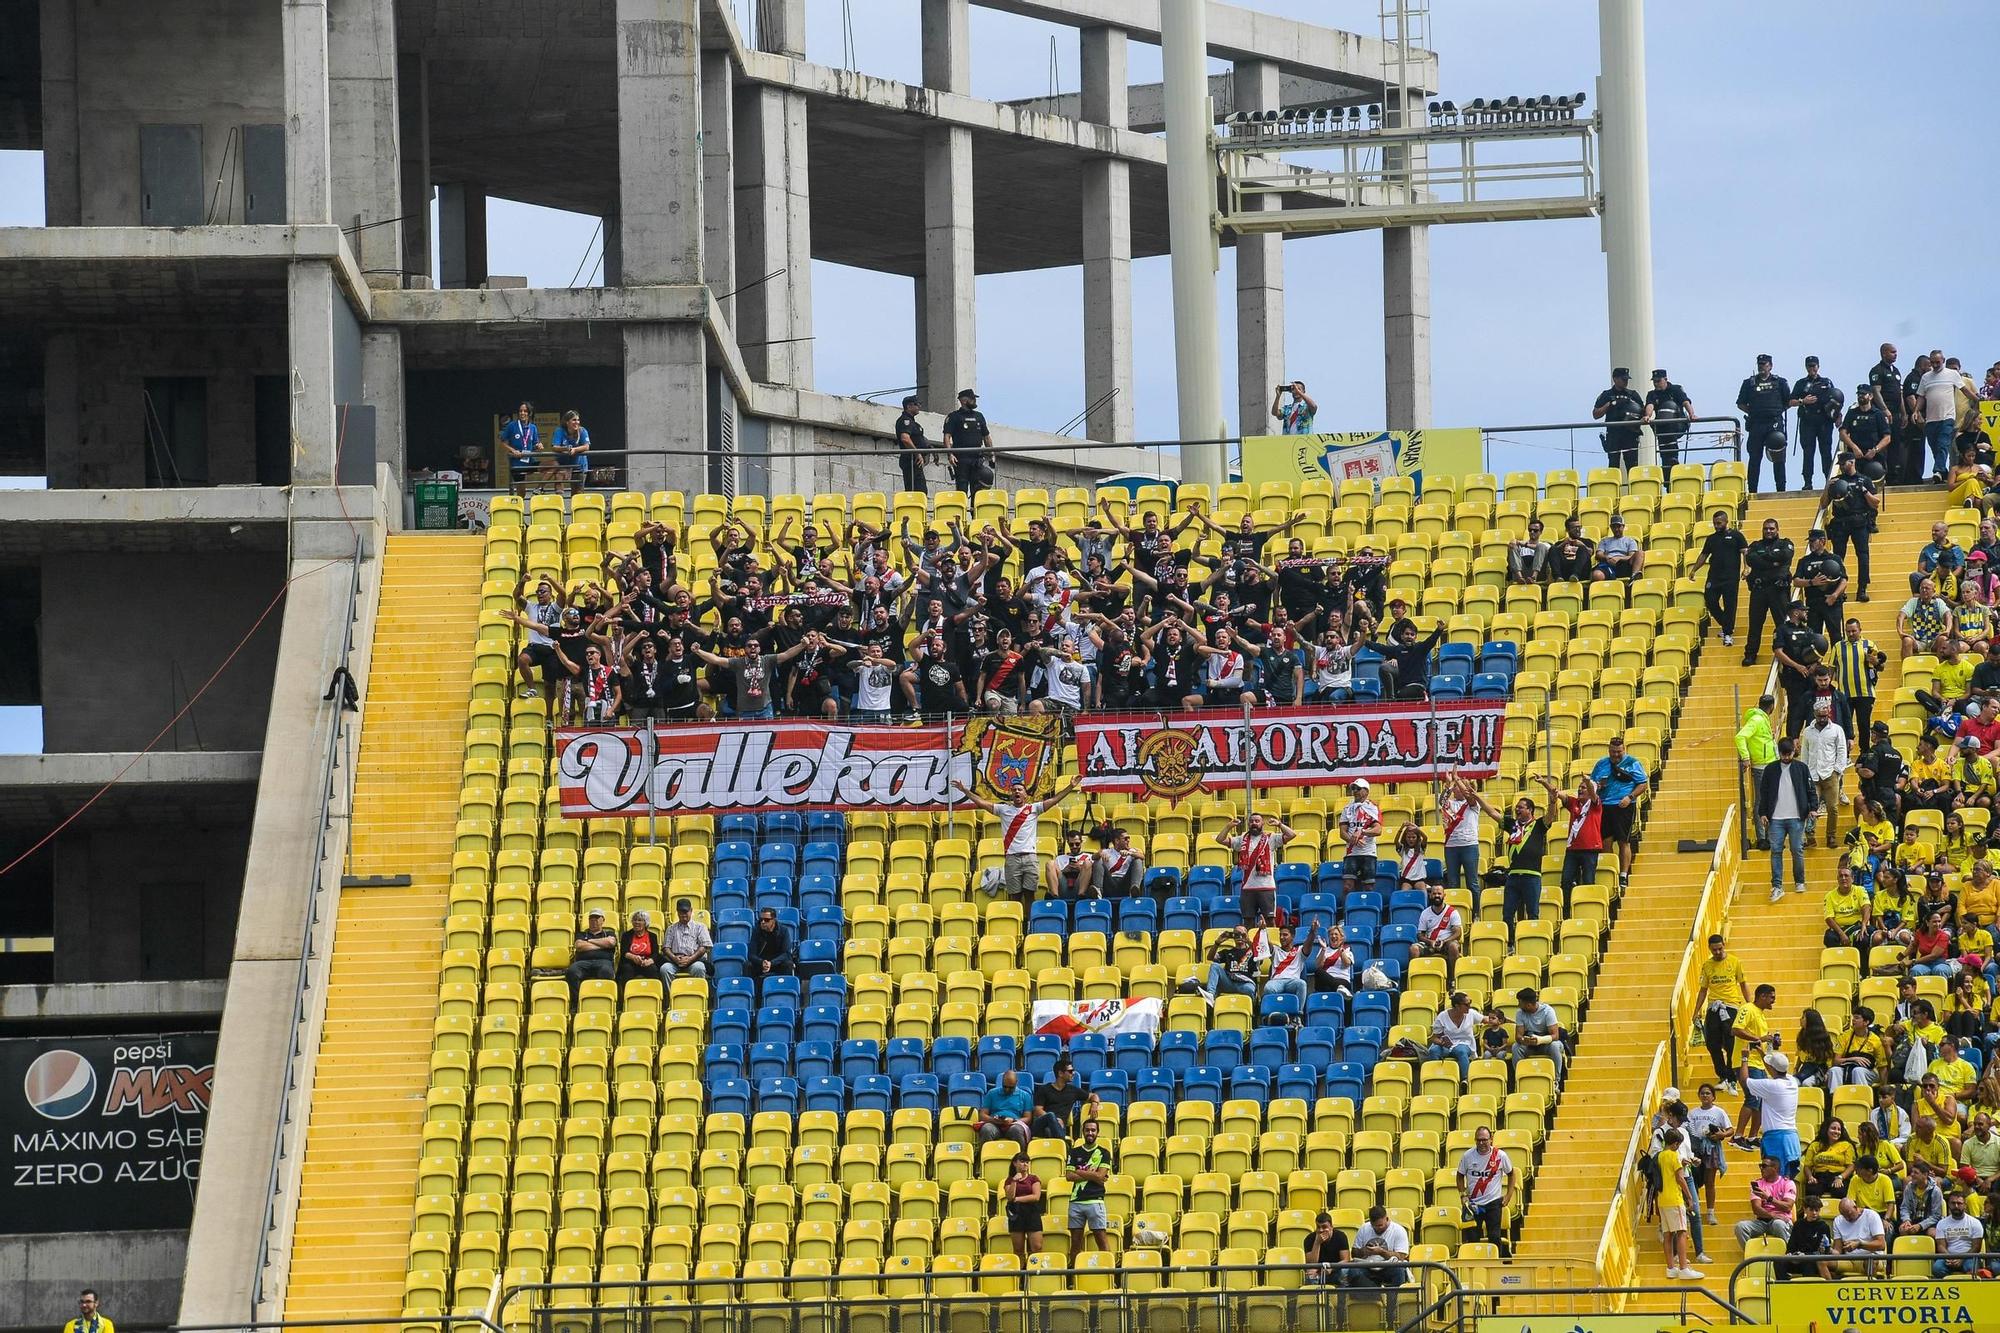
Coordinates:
<point>1855,661</point>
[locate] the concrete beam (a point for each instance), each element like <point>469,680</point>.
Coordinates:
<point>1260,288</point>
<point>603,305</point>
<point>413,113</point>
<point>660,216</point>
<point>308,115</point>
<point>1239,34</point>
<point>1146,103</point>
<point>366,134</point>
<point>1406,299</point>
<point>160,768</point>
<point>249,1100</point>
<point>309,324</point>
<point>781,28</point>
<point>141,1003</point>
<point>64,521</point>
<point>718,178</point>
<point>1107,247</point>
<point>22,249</point>
<point>461,235</point>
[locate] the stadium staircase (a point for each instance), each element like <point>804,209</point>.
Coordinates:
<point>1778,943</point>
<point>351,1236</point>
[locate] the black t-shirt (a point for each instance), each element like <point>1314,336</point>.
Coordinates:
<point>965,429</point>
<point>1770,562</point>
<point>1866,426</point>
<point>935,678</point>
<point>1085,1157</point>
<point>1621,405</point>
<point>1527,852</point>
<point>1887,381</point>
<point>907,424</point>
<point>1328,1251</point>
<point>1670,409</point>
<point>1724,553</point>
<point>1570,559</point>
<point>1059,1102</point>
<point>1826,565</point>
<point>1123,681</point>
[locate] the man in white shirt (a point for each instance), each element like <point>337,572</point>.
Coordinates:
<point>1291,961</point>
<point>1439,928</point>
<point>1120,871</point>
<point>1857,1234</point>
<point>1073,871</point>
<point>1383,1248</point>
<point>1825,744</point>
<point>1257,850</point>
<point>1486,1184</point>
<point>1958,1234</point>
<point>1458,814</point>
<point>1360,826</point>
<point>1020,838</point>
<point>1778,1094</point>
<point>1937,391</point>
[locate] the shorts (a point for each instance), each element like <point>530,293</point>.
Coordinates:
<point>1088,1215</point>
<point>1021,872</point>
<point>1672,1220</point>
<point>1024,1219</point>
<point>1361,869</point>
<point>1616,822</point>
<point>542,655</point>
<point>1782,1145</point>
<point>878,716</point>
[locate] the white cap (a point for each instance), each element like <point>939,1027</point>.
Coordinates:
<point>1671,1095</point>
<point>1360,784</point>
<point>1777,1063</point>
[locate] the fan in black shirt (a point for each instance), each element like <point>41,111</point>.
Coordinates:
<point>971,444</point>
<point>1722,551</point>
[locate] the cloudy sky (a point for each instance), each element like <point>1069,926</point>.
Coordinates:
<point>1820,184</point>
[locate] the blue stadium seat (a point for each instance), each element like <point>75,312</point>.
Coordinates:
<point>733,867</point>
<point>1111,1087</point>
<point>1364,910</point>
<point>1132,1051</point>
<point>951,1055</point>
<point>1449,686</point>
<point>1251,1083</point>
<point>826,990</point>
<point>730,892</point>
<point>735,993</point>
<point>1395,943</point>
<point>1502,656</point>
<point>1300,1081</point>
<point>722,1061</point>
<point>1280,1008</point>
<point>1371,1008</point>
<point>1203,1083</point>
<point>1270,1047</point>
<point>777,1022</point>
<point>1221,1048</point>
<point>1317,1046</point>
<point>1207,883</point>
<point>1318,909</point>
<point>1366,681</point>
<point>995,1055</point>
<point>965,1090</point>
<point>778,1094</point>
<point>1405,905</point>
<point>734,829</point>
<point>826,1094</point>
<point>1039,1053</point>
<point>770,1059</point>
<point>904,1055</point>
<point>822,1022</point>
<point>818,958</point>
<point>1347,1079</point>
<point>820,858</point>
<point>774,891</point>
<point>1183,913</point>
<point>1179,1051</point>
<point>1049,917</point>
<point>825,923</point>
<point>783,826</point>
<point>1455,658</point>
<point>733,926</point>
<point>730,1027</point>
<point>778,858</point>
<point>1491,685</point>
<point>1161,882</point>
<point>813,1059</point>
<point>918,1092</point>
<point>1385,874</point>
<point>826,826</point>
<point>874,1093</point>
<point>1155,1085</point>
<point>1093,914</point>
<point>730,1096</point>
<point>1224,912</point>
<point>860,1057</point>
<point>1139,916</point>
<point>1326,1011</point>
<point>780,992</point>
<point>818,890</point>
<point>1089,1052</point>
<point>1293,877</point>
<point>1361,1045</point>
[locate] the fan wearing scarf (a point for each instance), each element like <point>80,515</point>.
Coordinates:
<point>1360,827</point>
<point>1256,850</point>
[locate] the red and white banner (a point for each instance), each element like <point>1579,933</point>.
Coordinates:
<point>747,767</point>
<point>1073,1018</point>
<point>1176,754</point>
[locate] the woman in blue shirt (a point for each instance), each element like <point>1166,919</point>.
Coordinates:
<point>572,445</point>
<point>520,437</point>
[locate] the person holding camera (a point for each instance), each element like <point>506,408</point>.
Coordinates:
<point>1294,417</point>
<point>971,445</point>
<point>1852,501</point>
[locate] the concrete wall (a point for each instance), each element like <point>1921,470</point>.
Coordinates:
<point>96,405</point>
<point>137,1275</point>
<point>159,906</point>
<point>449,408</point>
<point>114,627</point>
<point>837,467</point>
<point>213,63</point>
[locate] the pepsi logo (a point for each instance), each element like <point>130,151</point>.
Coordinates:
<point>61,1085</point>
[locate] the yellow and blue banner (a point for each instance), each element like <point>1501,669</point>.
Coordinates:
<point>1363,455</point>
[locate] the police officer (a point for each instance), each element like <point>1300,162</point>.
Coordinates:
<point>1852,501</point>
<point>1798,649</point>
<point>1768,569</point>
<point>1868,432</point>
<point>912,449</point>
<point>1910,428</point>
<point>1667,404</point>
<point>1819,402</point>
<point>1619,403</point>
<point>1763,400</point>
<point>971,445</point>
<point>1822,579</point>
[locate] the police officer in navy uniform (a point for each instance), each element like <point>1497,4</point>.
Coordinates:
<point>1915,459</point>
<point>971,445</point>
<point>1768,569</point>
<point>1868,433</point>
<point>1851,502</point>
<point>1763,400</point>
<point>1668,410</point>
<point>1819,401</point>
<point>912,449</point>
<point>1619,403</point>
<point>1822,580</point>
<point>1798,648</point>
<point>1887,382</point>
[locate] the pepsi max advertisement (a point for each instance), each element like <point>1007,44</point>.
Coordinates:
<point>102,1133</point>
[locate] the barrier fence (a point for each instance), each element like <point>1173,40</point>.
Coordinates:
<point>1711,917</point>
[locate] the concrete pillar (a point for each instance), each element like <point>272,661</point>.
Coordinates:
<point>1191,234</point>
<point>1627,225</point>
<point>1406,301</point>
<point>382,389</point>
<point>461,235</point>
<point>1107,246</point>
<point>773,237</point>
<point>718,178</point>
<point>311,296</point>
<point>947,36</point>
<point>660,216</point>
<point>1260,284</point>
<point>367,174</point>
<point>413,114</point>
<point>949,324</point>
<point>666,405</point>
<point>781,28</point>
<point>62,416</point>
<point>62,186</point>
<point>308,115</point>
<point>612,261</point>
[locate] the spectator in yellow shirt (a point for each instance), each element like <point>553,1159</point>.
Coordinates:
<point>1751,1028</point>
<point>1952,679</point>
<point>1849,918</point>
<point>1868,1142</point>
<point>1913,855</point>
<point>1720,999</point>
<point>1858,1054</point>
<point>1871,1188</point>
<point>88,1318</point>
<point>1931,1148</point>
<point>1979,896</point>
<point>1951,1070</point>
<point>1939,1106</point>
<point>1972,774</point>
<point>1830,1160</point>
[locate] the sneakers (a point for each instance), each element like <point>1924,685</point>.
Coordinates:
<point>1624,881</point>
<point>1729,641</point>
<point>1777,894</point>
<point>1798,888</point>
<point>1702,1258</point>
<point>1673,1272</point>
<point>1690,1274</point>
<point>1734,1089</point>
<point>528,692</point>
<point>1709,1219</point>
<point>1861,596</point>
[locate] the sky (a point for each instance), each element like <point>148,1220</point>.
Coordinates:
<point>1818,187</point>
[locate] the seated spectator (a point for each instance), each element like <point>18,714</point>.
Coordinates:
<point>1618,556</point>
<point>1829,1163</point>
<point>1121,872</point>
<point>688,945</point>
<point>1811,1239</point>
<point>1959,1236</point>
<point>1980,1150</point>
<point>1850,919</point>
<point>1231,966</point>
<point>1455,1034</point>
<point>771,953</point>
<point>1873,1189</point>
<point>1773,1201</point>
<point>1056,1102</point>
<point>1939,561</point>
<point>1381,1251</point>
<point>595,957</point>
<point>1537,1030</point>
<point>639,951</point>
<point>1073,871</point>
<point>1527,555</point>
<point>1440,929</point>
<point>1921,1203</point>
<point>1858,1054</point>
<point>1005,1110</point>
<point>1327,1250</point>
<point>1858,1236</point>
<point>1335,973</point>
<point>1022,1195</point>
<point>1953,1072</point>
<point>1924,619</point>
<point>1932,1148</point>
<point>1572,559</point>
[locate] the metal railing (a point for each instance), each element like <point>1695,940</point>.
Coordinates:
<point>1711,916</point>
<point>1466,1309</point>
<point>335,703</point>
<point>1618,1247</point>
<point>1755,1274</point>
